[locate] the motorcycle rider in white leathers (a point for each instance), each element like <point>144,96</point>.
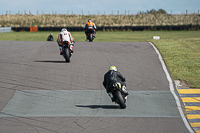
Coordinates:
<point>64,35</point>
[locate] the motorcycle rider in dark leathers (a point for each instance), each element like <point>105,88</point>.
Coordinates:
<point>50,37</point>
<point>111,77</point>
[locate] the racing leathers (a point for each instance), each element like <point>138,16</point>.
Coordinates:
<point>64,35</point>
<point>50,37</point>
<point>89,24</point>
<point>112,77</point>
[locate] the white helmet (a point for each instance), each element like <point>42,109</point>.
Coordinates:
<point>63,30</point>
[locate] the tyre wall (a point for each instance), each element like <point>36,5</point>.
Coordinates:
<point>117,28</point>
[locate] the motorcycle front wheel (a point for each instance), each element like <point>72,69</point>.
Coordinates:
<point>120,100</point>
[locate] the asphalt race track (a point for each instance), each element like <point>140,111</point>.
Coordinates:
<point>40,92</point>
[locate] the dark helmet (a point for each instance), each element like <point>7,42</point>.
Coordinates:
<point>89,20</point>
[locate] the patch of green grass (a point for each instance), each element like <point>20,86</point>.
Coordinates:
<point>180,49</point>
<point>182,57</point>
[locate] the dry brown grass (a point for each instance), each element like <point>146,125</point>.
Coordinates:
<point>100,20</point>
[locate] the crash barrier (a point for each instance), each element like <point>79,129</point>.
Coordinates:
<point>5,29</point>
<point>21,28</point>
<point>117,28</point>
<point>33,29</point>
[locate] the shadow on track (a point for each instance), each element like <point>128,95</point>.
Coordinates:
<point>99,106</point>
<point>48,61</point>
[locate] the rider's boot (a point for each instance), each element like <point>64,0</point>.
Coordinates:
<point>60,50</point>
<point>124,90</point>
<point>94,34</point>
<point>87,39</point>
<point>111,96</point>
<point>72,48</point>
<point>125,99</point>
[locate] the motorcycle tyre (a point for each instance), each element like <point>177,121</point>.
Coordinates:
<point>67,55</point>
<point>90,37</point>
<point>120,99</point>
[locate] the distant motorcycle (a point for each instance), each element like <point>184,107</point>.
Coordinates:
<point>90,33</point>
<point>50,37</point>
<point>119,97</point>
<point>67,53</point>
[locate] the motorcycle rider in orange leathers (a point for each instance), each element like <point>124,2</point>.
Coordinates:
<point>89,23</point>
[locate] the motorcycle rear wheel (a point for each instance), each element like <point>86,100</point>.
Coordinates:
<point>90,37</point>
<point>120,99</point>
<point>67,55</point>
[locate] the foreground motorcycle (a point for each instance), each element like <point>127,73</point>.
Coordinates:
<point>90,33</point>
<point>119,97</point>
<point>67,53</point>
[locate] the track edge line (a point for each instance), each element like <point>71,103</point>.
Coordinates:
<point>172,90</point>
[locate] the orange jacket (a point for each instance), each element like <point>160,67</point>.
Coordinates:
<point>90,23</point>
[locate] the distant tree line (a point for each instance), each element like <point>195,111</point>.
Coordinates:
<point>153,11</point>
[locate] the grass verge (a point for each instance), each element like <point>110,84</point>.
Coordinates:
<point>180,49</point>
<point>182,58</point>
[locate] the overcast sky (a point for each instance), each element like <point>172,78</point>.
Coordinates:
<point>97,6</point>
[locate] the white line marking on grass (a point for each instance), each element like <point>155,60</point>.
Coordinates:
<point>172,89</point>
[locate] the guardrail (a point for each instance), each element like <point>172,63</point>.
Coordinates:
<point>117,28</point>
<point>5,29</point>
